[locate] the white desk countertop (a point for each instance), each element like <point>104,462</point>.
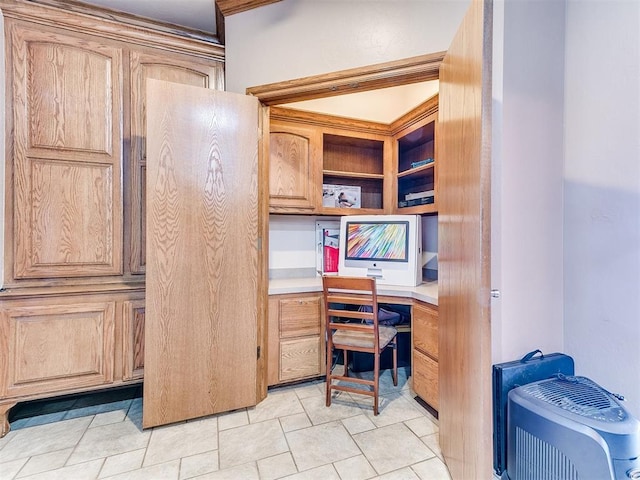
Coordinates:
<point>425,292</point>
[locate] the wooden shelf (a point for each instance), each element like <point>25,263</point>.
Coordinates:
<point>417,170</point>
<point>337,173</point>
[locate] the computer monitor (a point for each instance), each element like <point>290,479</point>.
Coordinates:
<point>387,247</point>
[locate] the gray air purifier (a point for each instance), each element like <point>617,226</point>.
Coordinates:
<point>569,428</point>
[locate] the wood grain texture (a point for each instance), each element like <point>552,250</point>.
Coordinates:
<point>300,316</point>
<point>464,137</point>
<point>301,358</point>
<point>424,374</point>
<point>424,322</point>
<point>171,67</point>
<point>113,25</point>
<point>66,102</point>
<point>202,253</point>
<point>56,347</point>
<point>133,340</point>
<point>361,79</point>
<point>230,7</point>
<point>293,155</point>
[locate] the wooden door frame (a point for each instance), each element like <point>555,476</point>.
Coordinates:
<point>382,75</point>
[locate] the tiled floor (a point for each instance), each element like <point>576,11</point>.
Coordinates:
<point>289,435</point>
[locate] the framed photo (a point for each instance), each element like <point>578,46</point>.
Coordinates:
<point>340,196</point>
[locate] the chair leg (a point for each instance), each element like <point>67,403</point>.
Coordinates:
<point>376,382</point>
<point>395,364</point>
<point>328,380</point>
<point>346,363</point>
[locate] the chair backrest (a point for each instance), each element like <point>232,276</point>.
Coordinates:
<point>358,300</point>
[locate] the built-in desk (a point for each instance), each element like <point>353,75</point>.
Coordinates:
<point>426,292</point>
<point>297,340</point>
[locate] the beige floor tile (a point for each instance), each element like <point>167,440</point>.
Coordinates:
<point>123,462</point>
<point>432,469</point>
<point>393,408</point>
<point>277,466</point>
<point>400,474</point>
<point>182,440</point>
<point>310,389</point>
<point>392,447</point>
<point>250,443</point>
<point>161,471</point>
<point>248,471</point>
<point>326,472</point>
<point>422,426</point>
<point>100,442</point>
<point>199,464</point>
<point>277,404</point>
<point>82,471</point>
<point>433,443</point>
<point>44,439</point>
<point>342,406</point>
<point>358,424</point>
<point>355,468</point>
<point>45,461</point>
<point>233,419</point>
<point>108,418</point>
<point>322,444</point>
<point>11,469</point>
<point>294,422</point>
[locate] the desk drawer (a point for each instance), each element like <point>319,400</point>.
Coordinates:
<point>300,358</point>
<point>425,378</point>
<point>300,316</point>
<point>425,330</point>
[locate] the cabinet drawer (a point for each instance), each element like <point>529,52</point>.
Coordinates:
<point>300,316</point>
<point>301,358</point>
<point>425,378</point>
<point>425,330</point>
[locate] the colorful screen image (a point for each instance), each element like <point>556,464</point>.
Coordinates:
<point>386,241</point>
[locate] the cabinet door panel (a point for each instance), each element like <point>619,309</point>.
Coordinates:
<point>174,68</point>
<point>300,358</point>
<point>293,157</point>
<point>133,340</point>
<point>67,105</point>
<point>57,347</point>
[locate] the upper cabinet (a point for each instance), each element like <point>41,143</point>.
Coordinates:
<point>67,161</point>
<point>415,159</point>
<point>76,90</point>
<point>332,165</point>
<point>171,67</point>
<point>294,152</point>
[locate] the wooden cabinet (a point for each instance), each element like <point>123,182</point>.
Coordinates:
<point>67,155</point>
<point>72,306</point>
<point>315,157</point>
<point>296,338</point>
<point>425,352</point>
<point>294,153</point>
<point>385,168</point>
<point>171,67</point>
<point>416,159</point>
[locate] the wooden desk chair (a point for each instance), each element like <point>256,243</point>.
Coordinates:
<point>360,334</point>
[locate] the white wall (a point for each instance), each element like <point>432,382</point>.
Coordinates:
<point>602,193</point>
<point>298,38</point>
<point>527,159</point>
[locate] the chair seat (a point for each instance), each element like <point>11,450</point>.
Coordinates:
<point>363,339</point>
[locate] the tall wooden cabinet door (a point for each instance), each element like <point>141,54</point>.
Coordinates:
<point>203,290</point>
<point>464,146</point>
<point>67,110</point>
<point>183,69</point>
<point>294,157</point>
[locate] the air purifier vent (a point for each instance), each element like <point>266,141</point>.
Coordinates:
<point>530,450</point>
<point>578,395</point>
